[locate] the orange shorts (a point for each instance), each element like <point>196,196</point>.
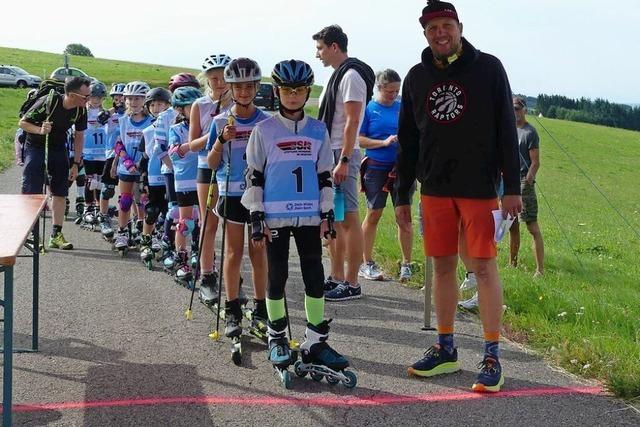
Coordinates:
<point>445,217</point>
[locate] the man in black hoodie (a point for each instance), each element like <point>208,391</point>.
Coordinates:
<point>457,136</point>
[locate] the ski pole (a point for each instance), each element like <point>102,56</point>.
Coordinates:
<point>215,335</point>
<point>46,164</point>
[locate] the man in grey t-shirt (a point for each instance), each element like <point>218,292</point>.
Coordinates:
<point>529,143</point>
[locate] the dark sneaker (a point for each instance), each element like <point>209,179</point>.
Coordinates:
<point>343,292</point>
<point>490,378</point>
<point>58,241</point>
<point>330,284</point>
<point>436,361</point>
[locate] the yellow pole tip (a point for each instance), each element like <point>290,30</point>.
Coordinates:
<point>188,314</point>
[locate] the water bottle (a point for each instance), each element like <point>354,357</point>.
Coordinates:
<point>338,202</point>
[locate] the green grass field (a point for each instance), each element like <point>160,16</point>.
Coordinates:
<point>584,314</point>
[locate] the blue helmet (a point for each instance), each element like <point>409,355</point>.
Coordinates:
<point>185,95</point>
<point>292,73</point>
<point>98,89</point>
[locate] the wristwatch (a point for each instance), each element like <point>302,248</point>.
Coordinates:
<point>344,159</point>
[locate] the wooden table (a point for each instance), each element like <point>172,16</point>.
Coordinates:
<point>19,215</point>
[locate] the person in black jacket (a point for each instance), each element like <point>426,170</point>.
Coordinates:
<point>457,135</point>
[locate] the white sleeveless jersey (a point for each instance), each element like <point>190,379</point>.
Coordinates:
<point>130,133</point>
<point>208,109</point>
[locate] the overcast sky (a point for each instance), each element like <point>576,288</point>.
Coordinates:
<point>570,47</point>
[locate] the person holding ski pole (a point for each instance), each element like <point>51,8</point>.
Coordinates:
<point>46,123</point>
<point>226,146</point>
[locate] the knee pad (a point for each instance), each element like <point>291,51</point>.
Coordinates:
<point>186,226</point>
<point>152,213</point>
<point>81,180</point>
<point>108,191</point>
<point>94,183</point>
<point>174,212</point>
<point>125,201</point>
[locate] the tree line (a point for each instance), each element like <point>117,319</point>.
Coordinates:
<point>599,111</point>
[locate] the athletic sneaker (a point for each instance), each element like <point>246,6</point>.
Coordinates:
<point>436,361</point>
<point>490,378</point>
<point>405,273</point>
<point>58,241</point>
<point>469,282</point>
<point>343,292</point>
<point>330,284</point>
<point>471,304</point>
<point>370,271</point>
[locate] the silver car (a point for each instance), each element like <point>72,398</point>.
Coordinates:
<point>10,75</point>
<point>62,73</point>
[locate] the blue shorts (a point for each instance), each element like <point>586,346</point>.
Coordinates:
<point>350,185</point>
<point>33,178</point>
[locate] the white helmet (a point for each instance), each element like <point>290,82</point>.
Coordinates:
<point>242,70</point>
<point>136,88</point>
<point>212,62</point>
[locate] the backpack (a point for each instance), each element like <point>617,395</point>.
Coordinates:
<point>43,90</point>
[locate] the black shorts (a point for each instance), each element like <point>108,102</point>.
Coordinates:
<point>57,168</point>
<point>93,167</point>
<point>235,211</point>
<point>170,186</point>
<point>187,198</point>
<point>156,197</point>
<point>106,173</point>
<point>204,176</point>
<point>129,178</point>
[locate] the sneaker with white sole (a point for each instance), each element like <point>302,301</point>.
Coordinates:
<point>405,273</point>
<point>469,282</point>
<point>471,304</point>
<point>343,292</point>
<point>370,271</point>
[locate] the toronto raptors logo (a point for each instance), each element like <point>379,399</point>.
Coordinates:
<point>446,102</point>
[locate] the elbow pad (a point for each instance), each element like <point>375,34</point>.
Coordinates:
<point>324,180</point>
<point>257,178</point>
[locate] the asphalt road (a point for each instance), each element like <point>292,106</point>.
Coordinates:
<point>116,350</point>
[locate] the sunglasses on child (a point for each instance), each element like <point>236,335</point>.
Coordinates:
<point>285,90</point>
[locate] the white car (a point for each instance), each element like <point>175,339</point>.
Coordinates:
<point>10,75</point>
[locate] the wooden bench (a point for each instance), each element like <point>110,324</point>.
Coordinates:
<point>19,218</point>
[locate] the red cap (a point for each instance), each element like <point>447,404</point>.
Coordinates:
<point>437,9</point>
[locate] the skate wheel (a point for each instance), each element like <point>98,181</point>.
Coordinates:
<point>316,377</point>
<point>351,380</point>
<point>333,380</point>
<point>298,371</point>
<point>287,379</point>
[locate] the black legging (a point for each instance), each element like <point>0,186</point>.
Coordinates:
<point>310,251</point>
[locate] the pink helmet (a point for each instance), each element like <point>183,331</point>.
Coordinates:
<point>183,79</point>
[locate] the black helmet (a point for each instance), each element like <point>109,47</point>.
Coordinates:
<point>292,73</point>
<point>157,94</point>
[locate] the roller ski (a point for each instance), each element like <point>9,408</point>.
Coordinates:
<point>168,258</point>
<point>233,329</point>
<point>135,230</point>
<point>281,355</point>
<point>66,208</point>
<point>208,293</point>
<point>79,208</point>
<point>184,275</point>
<point>320,360</point>
<point>146,252</point>
<point>105,227</point>
<point>89,219</point>
<point>257,321</point>
<point>121,242</point>
<point>156,247</point>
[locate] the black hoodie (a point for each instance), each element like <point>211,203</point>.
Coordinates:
<point>457,129</point>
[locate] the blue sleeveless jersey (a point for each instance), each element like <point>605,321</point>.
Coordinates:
<point>154,175</point>
<point>165,120</point>
<point>130,133</point>
<point>95,137</point>
<point>111,131</point>
<point>185,170</point>
<point>291,175</point>
<point>238,159</point>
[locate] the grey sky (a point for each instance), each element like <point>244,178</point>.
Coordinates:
<point>569,47</point>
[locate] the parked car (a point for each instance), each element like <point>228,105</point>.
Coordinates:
<point>61,73</point>
<point>10,75</point>
<point>266,97</point>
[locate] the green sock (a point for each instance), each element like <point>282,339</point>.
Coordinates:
<point>275,308</point>
<point>314,308</point>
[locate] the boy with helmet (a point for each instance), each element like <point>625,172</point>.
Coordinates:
<point>185,169</point>
<point>128,155</point>
<point>157,100</point>
<point>161,145</point>
<point>226,145</point>
<point>289,192</point>
<point>94,155</point>
<point>216,100</point>
<point>109,182</point>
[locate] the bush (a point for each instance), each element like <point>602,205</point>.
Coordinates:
<point>78,49</point>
